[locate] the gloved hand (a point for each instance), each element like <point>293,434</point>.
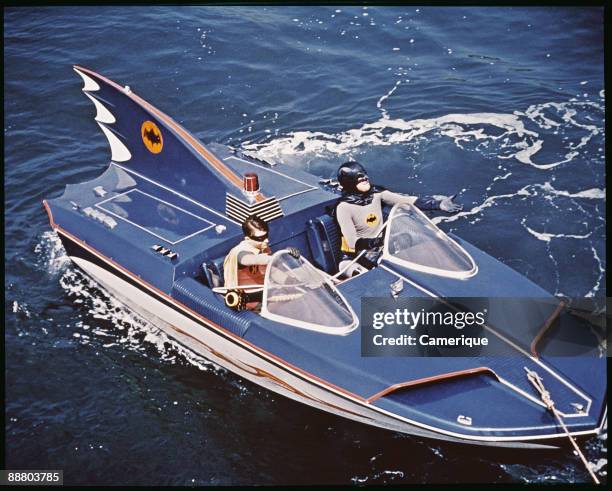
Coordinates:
<point>293,252</point>
<point>448,206</point>
<point>364,243</point>
<point>377,242</point>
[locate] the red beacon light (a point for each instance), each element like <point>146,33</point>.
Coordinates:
<point>250,184</point>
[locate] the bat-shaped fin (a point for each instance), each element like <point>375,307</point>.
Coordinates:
<point>119,152</point>
<point>103,115</point>
<point>89,83</point>
<point>152,145</point>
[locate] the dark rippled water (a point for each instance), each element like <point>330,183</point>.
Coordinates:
<point>504,106</point>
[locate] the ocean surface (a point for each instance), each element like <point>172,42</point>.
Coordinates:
<point>503,106</point>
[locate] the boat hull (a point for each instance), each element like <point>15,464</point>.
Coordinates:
<point>228,351</point>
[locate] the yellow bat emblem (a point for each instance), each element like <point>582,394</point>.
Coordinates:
<point>371,220</point>
<point>152,137</point>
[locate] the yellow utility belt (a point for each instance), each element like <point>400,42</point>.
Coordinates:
<point>344,247</point>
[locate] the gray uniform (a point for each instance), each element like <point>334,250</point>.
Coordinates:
<point>365,221</point>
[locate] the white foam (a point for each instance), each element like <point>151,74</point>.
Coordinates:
<point>602,272</point>
<point>546,237</point>
<point>597,466</point>
<point>526,154</point>
<point>50,252</point>
<point>123,327</point>
<point>593,193</point>
<point>385,476</point>
<point>21,307</point>
<point>487,203</point>
<point>386,96</point>
<point>378,134</point>
<point>529,190</point>
<point>516,141</point>
<point>501,178</point>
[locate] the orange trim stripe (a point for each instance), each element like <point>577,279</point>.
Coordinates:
<point>49,214</point>
<point>427,380</point>
<point>188,137</point>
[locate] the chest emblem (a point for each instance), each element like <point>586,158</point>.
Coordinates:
<point>371,220</point>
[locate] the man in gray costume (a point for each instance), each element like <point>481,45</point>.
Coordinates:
<point>359,212</point>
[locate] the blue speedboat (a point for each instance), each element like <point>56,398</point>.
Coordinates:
<point>155,227</point>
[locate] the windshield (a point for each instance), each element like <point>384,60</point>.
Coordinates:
<point>298,294</point>
<point>414,242</point>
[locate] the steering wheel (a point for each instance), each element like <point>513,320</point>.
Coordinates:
<point>400,242</point>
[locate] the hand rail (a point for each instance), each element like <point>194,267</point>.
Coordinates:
<point>428,380</point>
<point>545,327</point>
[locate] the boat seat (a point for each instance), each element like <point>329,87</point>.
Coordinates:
<point>212,270</point>
<point>211,275</point>
<point>324,238</point>
<point>199,298</point>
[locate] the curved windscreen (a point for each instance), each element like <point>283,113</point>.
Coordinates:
<point>414,242</point>
<point>298,294</point>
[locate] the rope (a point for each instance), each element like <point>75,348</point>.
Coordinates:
<point>536,381</point>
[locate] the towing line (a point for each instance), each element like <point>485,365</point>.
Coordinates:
<point>536,381</point>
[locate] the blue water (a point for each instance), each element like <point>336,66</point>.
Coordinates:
<point>503,106</point>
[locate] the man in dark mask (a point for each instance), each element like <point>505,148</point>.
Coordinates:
<point>245,265</point>
<point>359,212</point>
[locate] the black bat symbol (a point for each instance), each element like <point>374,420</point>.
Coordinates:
<point>152,136</point>
<point>371,219</point>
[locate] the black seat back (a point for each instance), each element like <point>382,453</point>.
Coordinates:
<point>324,238</point>
<point>211,274</point>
